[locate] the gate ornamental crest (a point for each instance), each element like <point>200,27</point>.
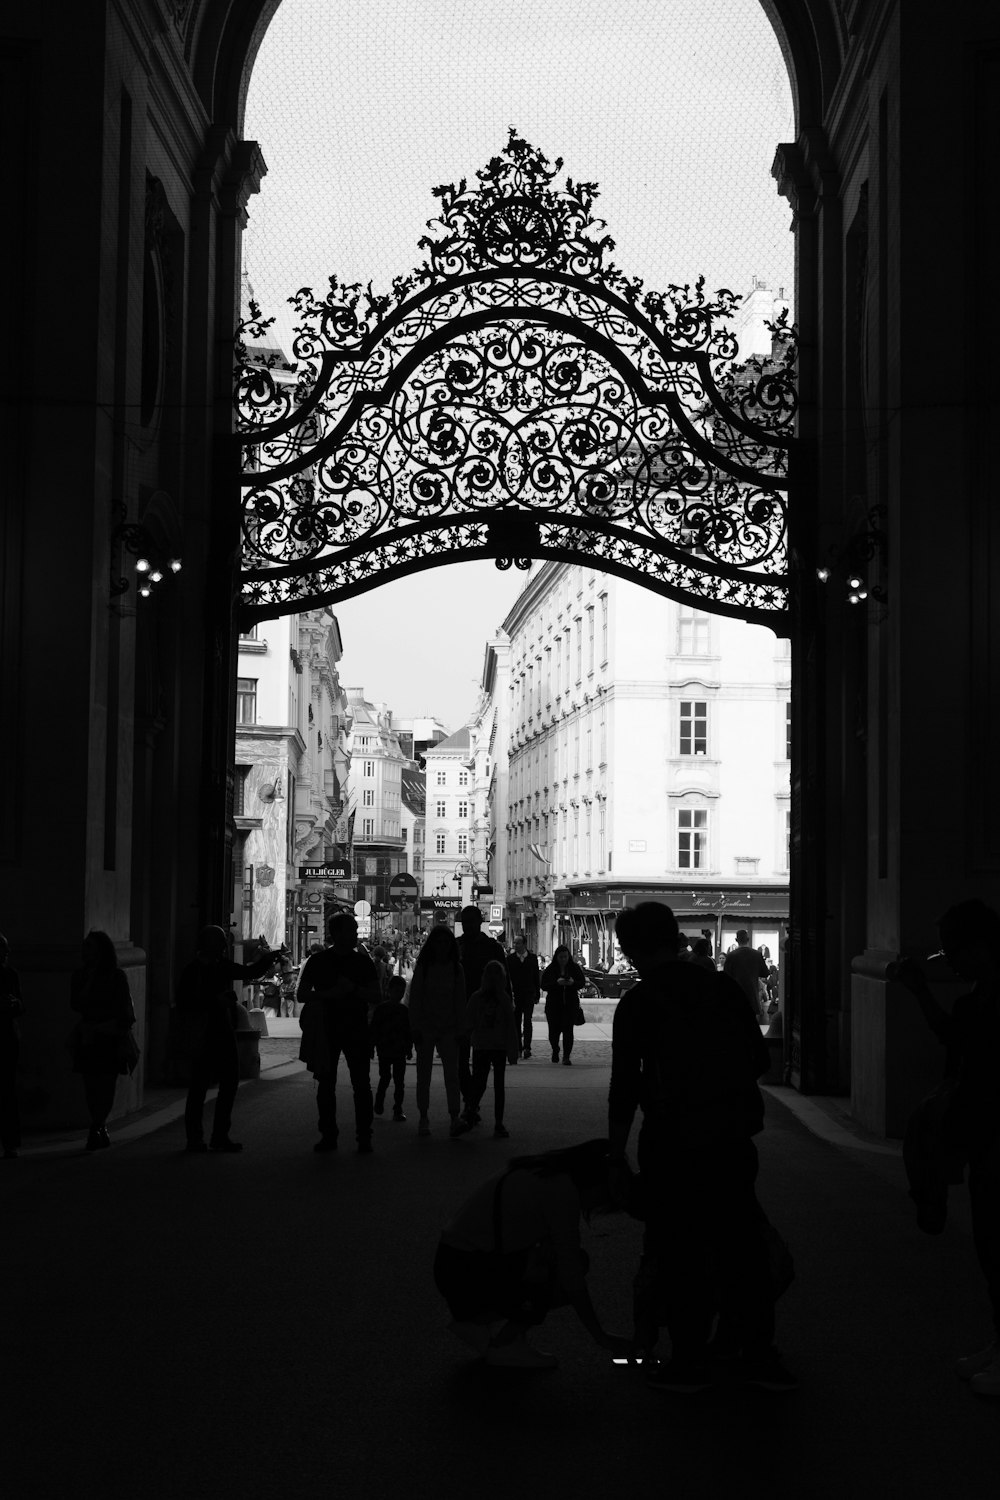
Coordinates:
<point>516,397</point>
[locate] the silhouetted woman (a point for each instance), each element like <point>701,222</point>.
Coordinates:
<point>562,982</point>
<point>99,992</point>
<point>437,1015</point>
<point>512,1252</point>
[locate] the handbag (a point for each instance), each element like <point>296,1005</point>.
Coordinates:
<point>579,1019</point>
<point>129,1053</point>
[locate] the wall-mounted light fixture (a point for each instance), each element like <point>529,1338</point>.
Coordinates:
<point>151,563</point>
<point>849,567</point>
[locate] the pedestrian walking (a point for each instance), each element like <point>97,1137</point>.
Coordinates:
<point>338,992</point>
<point>493,1027</point>
<point>393,1045</point>
<point>512,1253</point>
<point>525,986</point>
<point>11,1010</point>
<point>745,965</point>
<point>99,993</point>
<point>476,949</point>
<point>562,982</point>
<point>206,1034</point>
<point>437,1016</point>
<point>706,1234</point>
<point>970,944</point>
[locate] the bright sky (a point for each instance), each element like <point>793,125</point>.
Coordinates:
<point>674,107</point>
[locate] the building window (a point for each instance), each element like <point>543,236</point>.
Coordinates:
<point>369,768</point>
<point>579,649</point>
<point>604,627</point>
<point>369,798</point>
<point>463,778</point>
<point>368,828</point>
<point>250,634</point>
<point>439,842</point>
<point>463,844</point>
<point>788,841</point>
<point>441,807</point>
<point>240,791</point>
<point>442,777</point>
<point>600,837</point>
<point>692,838</point>
<point>692,631</point>
<point>463,809</point>
<point>246,700</point>
<point>590,638</point>
<point>694,728</point>
<point>788,731</point>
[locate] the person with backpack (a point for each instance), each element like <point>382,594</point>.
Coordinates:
<point>687,1052</point>
<point>493,1028</point>
<point>338,992</point>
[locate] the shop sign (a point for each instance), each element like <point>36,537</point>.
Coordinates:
<point>337,871</point>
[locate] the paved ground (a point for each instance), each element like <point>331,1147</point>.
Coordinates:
<point>266,1325</point>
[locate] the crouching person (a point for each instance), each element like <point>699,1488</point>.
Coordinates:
<point>512,1253</point>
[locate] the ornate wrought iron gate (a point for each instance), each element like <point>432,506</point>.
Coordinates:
<point>516,397</point>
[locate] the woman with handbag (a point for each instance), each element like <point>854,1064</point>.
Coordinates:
<point>562,982</point>
<point>99,991</point>
<point>512,1253</point>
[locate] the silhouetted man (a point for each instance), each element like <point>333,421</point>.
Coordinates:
<point>344,981</point>
<point>748,968</point>
<point>207,1002</point>
<point>687,1052</point>
<point>476,949</point>
<point>522,967</point>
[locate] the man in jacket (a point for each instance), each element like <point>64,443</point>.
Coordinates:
<point>522,968</point>
<point>343,980</point>
<point>475,950</point>
<point>688,1053</point>
<point>748,968</point>
<point>206,1002</point>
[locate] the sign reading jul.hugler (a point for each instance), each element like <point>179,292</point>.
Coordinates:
<point>338,871</point>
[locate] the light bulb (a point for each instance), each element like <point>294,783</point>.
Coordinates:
<point>155,576</point>
<point>175,565</point>
<point>822,574</point>
<point>142,565</point>
<point>854,582</point>
<point>854,598</point>
<point>145,591</point>
<point>862,593</point>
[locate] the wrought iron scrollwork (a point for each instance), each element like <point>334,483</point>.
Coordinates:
<point>517,396</point>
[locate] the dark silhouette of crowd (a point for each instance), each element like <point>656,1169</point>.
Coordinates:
<point>687,1054</point>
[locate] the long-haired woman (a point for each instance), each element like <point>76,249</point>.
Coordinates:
<point>99,992</point>
<point>512,1252</point>
<point>562,982</point>
<point>437,1015</point>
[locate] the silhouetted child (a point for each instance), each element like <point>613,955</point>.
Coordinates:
<point>391,1040</point>
<point>493,1025</point>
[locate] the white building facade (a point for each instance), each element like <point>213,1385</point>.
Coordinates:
<point>648,755</point>
<point>292,760</point>
<point>375,799</point>
<point>449,872</point>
